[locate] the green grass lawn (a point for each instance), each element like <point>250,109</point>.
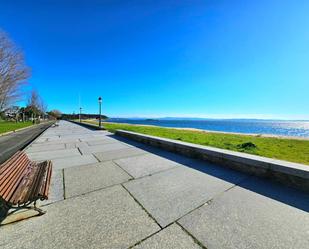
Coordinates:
<point>293,150</point>
<point>6,126</point>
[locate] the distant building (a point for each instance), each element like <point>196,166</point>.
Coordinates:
<point>11,112</point>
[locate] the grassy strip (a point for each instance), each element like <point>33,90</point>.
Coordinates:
<point>6,126</point>
<point>293,150</point>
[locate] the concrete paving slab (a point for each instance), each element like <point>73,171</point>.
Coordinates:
<point>170,156</point>
<point>143,165</point>
<point>104,140</point>
<point>241,218</point>
<point>76,135</point>
<point>41,140</point>
<point>48,155</point>
<point>107,218</point>
<point>93,138</point>
<point>52,137</point>
<point>103,148</point>
<point>171,194</point>
<point>172,237</point>
<point>73,161</point>
<point>76,145</point>
<point>51,147</point>
<point>84,179</point>
<point>59,141</point>
<point>117,154</point>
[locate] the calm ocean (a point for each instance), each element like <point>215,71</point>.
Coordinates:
<point>282,128</point>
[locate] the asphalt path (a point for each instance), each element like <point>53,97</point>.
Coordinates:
<point>11,143</point>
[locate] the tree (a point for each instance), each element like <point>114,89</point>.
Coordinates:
<point>55,114</point>
<point>33,104</point>
<point>36,106</point>
<point>34,99</point>
<point>13,71</point>
<point>42,107</point>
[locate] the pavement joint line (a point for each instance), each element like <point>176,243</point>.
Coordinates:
<point>208,202</point>
<point>149,214</point>
<point>51,203</point>
<point>109,142</point>
<point>97,158</point>
<point>132,177</point>
<point>98,161</point>
<point>123,169</point>
<point>235,185</point>
<point>113,160</point>
<point>79,151</point>
<point>151,174</point>
<point>149,236</point>
<point>95,190</point>
<point>158,172</point>
<point>63,183</point>
<point>196,241</point>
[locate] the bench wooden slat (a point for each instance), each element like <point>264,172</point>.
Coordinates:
<point>11,167</point>
<point>37,181</point>
<point>12,181</point>
<point>45,189</point>
<point>24,186</point>
<point>7,163</point>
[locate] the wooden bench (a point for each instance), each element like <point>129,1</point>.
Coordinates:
<point>23,182</point>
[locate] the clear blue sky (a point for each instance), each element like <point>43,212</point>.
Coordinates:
<point>211,58</point>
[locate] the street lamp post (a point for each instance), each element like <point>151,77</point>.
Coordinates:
<point>80,114</point>
<point>100,103</point>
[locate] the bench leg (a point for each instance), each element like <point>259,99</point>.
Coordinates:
<point>41,212</point>
<point>26,206</point>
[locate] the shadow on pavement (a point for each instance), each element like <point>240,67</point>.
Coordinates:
<point>265,187</point>
<point>3,212</point>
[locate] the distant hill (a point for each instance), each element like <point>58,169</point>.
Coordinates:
<point>84,116</point>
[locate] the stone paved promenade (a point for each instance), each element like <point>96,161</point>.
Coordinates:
<point>111,193</point>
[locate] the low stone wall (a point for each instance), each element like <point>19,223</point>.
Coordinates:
<point>291,174</point>
<point>87,125</point>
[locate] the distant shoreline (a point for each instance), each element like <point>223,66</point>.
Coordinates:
<point>221,132</point>
<point>214,119</point>
<point>245,134</point>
